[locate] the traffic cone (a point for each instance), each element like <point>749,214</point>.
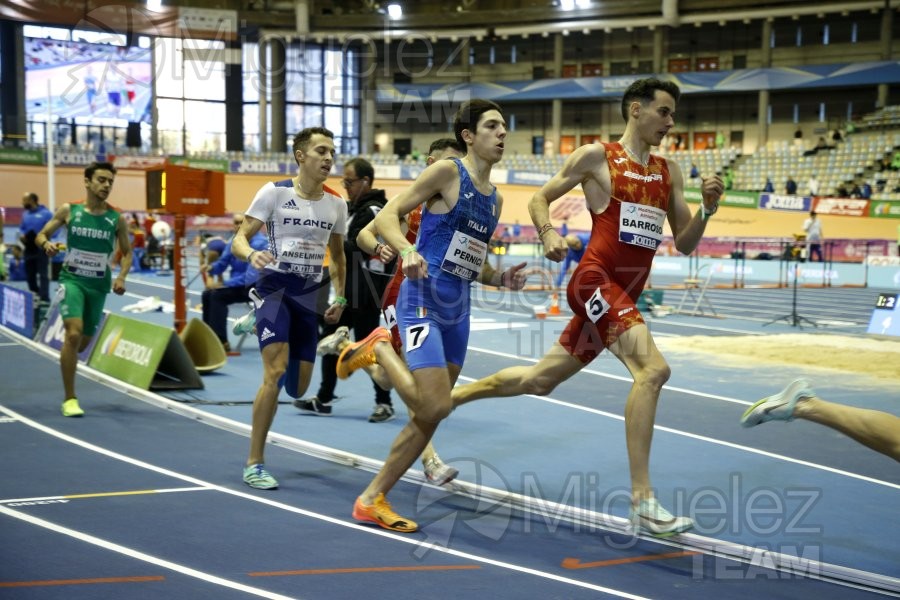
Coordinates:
<point>554,305</point>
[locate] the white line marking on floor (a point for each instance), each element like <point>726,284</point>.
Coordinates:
<point>142,556</point>
<point>710,440</point>
<point>105,495</point>
<point>307,513</point>
<point>618,377</point>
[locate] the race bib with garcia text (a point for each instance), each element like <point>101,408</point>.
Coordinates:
<point>641,225</point>
<point>464,257</point>
<point>86,264</point>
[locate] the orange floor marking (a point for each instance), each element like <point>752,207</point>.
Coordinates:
<point>13,584</point>
<point>365,570</point>
<point>575,563</point>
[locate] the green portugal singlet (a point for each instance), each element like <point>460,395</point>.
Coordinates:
<point>90,243</point>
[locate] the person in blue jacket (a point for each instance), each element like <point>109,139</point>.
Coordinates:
<point>37,263</point>
<point>217,296</point>
<point>577,243</point>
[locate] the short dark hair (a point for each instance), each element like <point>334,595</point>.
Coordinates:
<point>98,166</point>
<point>644,91</point>
<point>362,167</point>
<point>32,197</point>
<point>468,115</point>
<point>444,143</point>
<point>301,140</point>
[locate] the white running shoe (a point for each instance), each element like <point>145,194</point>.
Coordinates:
<point>245,324</point>
<point>437,472</point>
<point>652,518</point>
<point>332,344</point>
<point>779,407</point>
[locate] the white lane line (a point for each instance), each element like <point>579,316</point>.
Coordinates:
<point>67,497</point>
<point>425,546</point>
<point>142,556</point>
<point>710,440</point>
<point>671,388</point>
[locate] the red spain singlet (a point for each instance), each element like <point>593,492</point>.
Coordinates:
<point>609,279</point>
<point>413,220</point>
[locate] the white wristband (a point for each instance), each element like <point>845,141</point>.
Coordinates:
<point>706,214</point>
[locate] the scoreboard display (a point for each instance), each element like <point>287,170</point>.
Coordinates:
<point>886,315</point>
<point>186,191</point>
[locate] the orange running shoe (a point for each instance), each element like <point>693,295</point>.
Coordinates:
<point>381,513</point>
<point>361,354</point>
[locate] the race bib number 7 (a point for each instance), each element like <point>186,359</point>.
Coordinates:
<point>596,306</point>
<point>415,336</point>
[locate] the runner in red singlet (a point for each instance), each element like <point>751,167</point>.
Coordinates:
<point>630,194</point>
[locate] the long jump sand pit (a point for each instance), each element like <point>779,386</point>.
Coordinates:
<point>862,356</point>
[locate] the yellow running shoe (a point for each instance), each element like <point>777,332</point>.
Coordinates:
<point>70,408</point>
<point>380,512</point>
<point>361,354</point>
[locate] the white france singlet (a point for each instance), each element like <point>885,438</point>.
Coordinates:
<point>297,228</point>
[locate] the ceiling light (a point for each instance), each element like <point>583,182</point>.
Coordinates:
<point>395,11</point>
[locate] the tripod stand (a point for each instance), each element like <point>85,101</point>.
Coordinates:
<point>793,318</point>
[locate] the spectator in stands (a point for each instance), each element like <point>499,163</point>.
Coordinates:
<point>813,228</point>
<point>217,295</point>
<point>37,263</point>
<point>769,187</point>
<point>695,172</point>
<point>728,178</point>
<point>798,137</point>
<point>842,190</point>
<point>836,136</point>
<point>865,190</point>
<point>720,139</point>
<point>16,271</point>
<point>895,163</point>
<point>812,186</point>
<point>517,232</point>
<point>790,186</point>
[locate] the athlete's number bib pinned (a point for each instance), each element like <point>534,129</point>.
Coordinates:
<point>641,225</point>
<point>464,256</point>
<point>596,306</point>
<point>86,264</point>
<point>415,336</point>
<point>301,257</point>
<point>390,316</point>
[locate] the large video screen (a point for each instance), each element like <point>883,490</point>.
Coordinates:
<point>92,83</point>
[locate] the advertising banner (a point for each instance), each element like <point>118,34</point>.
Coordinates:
<point>885,210</point>
<point>848,207</point>
<point>53,332</point>
<point>784,202</point>
<point>21,157</point>
<point>258,166</point>
<point>17,310</point>
<point>729,198</point>
<point>143,354</point>
<point>210,164</point>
